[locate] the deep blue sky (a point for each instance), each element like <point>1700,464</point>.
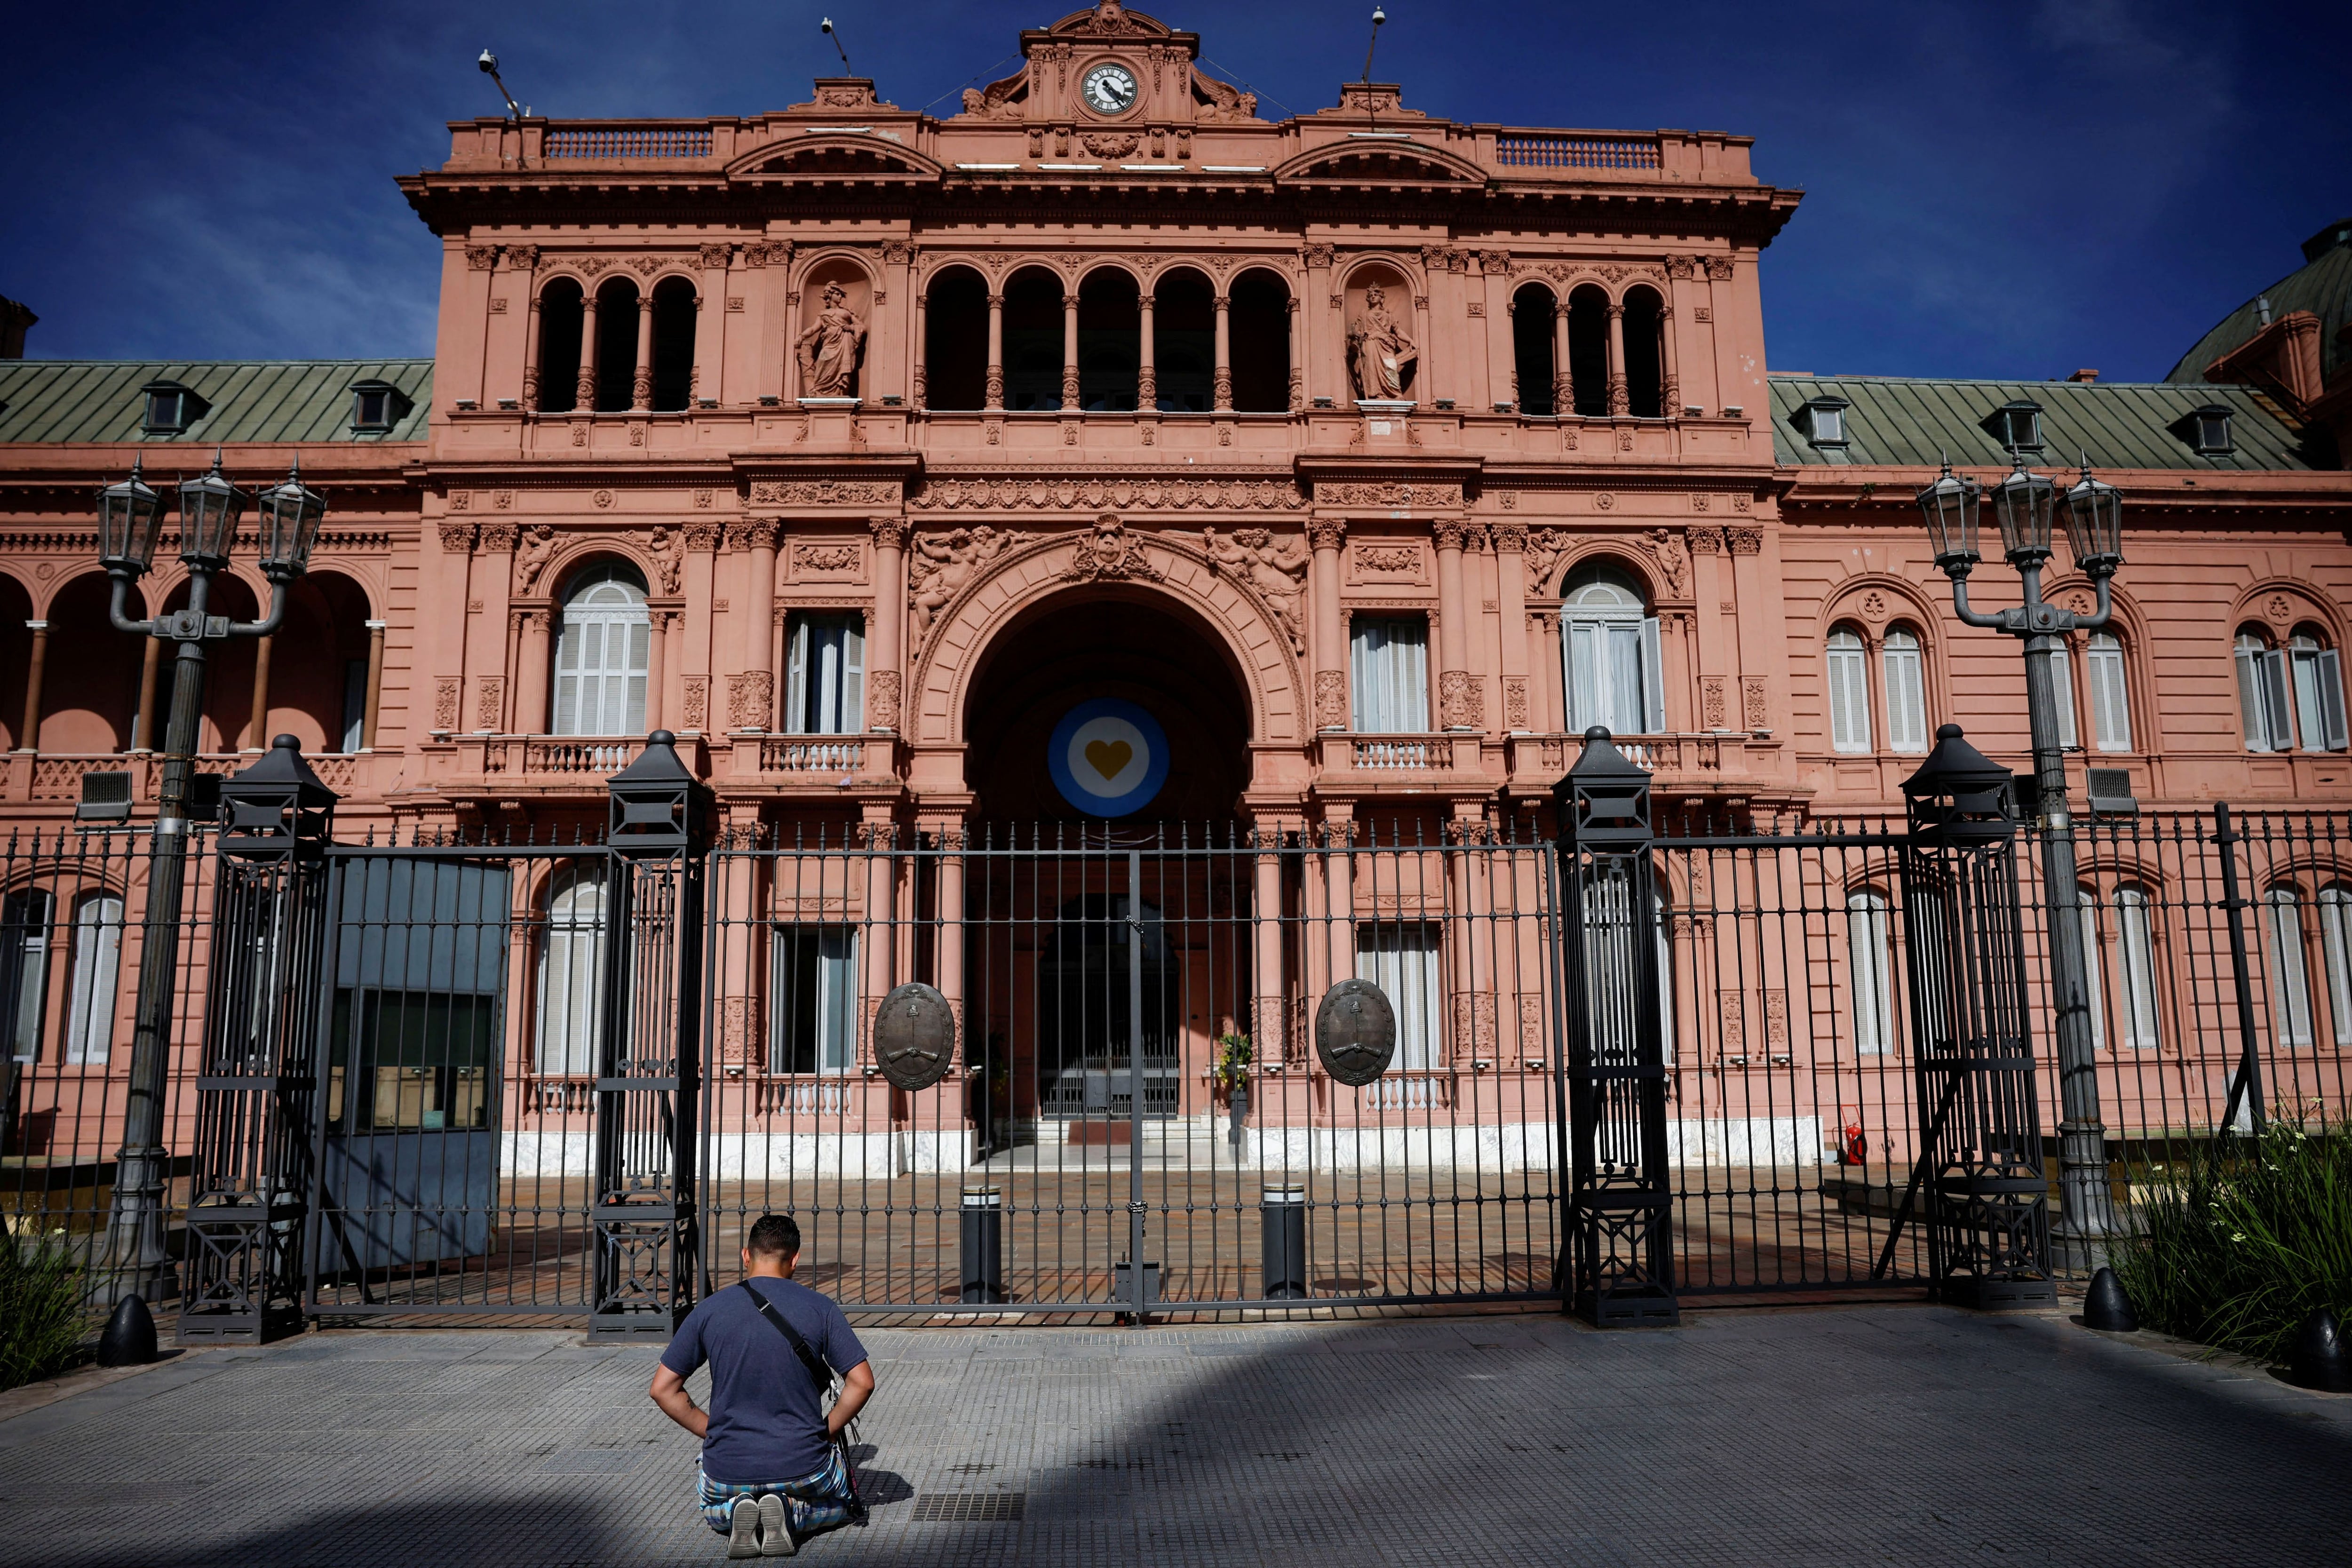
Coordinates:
<point>1992,189</point>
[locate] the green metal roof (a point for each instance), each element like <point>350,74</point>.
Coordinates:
<point>2323,285</point>
<point>1915,423</point>
<point>251,400</point>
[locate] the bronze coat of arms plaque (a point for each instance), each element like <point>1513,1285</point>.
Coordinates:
<point>1354,1032</point>
<point>914,1035</point>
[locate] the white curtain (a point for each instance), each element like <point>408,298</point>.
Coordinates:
<point>97,963</point>
<point>2088,899</point>
<point>602,656</point>
<point>570,965</point>
<point>1401,960</point>
<point>2290,982</point>
<point>1849,693</point>
<point>24,968</point>
<point>1869,945</point>
<point>1388,675</point>
<point>2263,700</point>
<point>2137,952</point>
<point>1906,691</point>
<point>2110,700</point>
<point>824,691</point>
<point>814,1003</point>
<point>1611,650</point>
<point>2335,950</point>
<point>2318,691</point>
<point>2062,688</point>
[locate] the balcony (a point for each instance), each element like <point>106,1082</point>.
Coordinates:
<point>1686,761</point>
<point>575,767</point>
<point>47,778</point>
<point>1396,759</point>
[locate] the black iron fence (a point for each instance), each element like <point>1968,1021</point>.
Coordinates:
<point>413,1080</point>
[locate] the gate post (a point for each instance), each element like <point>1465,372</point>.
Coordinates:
<point>256,1089</point>
<point>1621,1220</point>
<point>1979,1166</point>
<point>644,1201</point>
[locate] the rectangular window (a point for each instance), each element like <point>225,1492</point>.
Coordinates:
<point>1906,693</point>
<point>1612,675</point>
<point>1388,675</point>
<point>2318,694</point>
<point>1401,960</point>
<point>2290,983</point>
<point>1869,948</point>
<point>1849,693</point>
<point>24,970</point>
<point>824,683</point>
<point>813,1012</point>
<point>2137,954</point>
<point>97,962</point>
<point>2110,710</point>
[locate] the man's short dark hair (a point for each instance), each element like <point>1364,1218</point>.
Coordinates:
<point>773,1236</point>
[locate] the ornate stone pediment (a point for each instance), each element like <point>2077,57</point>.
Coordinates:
<point>1110,553</point>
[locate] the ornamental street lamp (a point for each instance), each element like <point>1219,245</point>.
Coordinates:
<point>2024,504</point>
<point>129,520</point>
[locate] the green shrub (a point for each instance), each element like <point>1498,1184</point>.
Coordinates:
<point>2237,1244</point>
<point>40,1311</point>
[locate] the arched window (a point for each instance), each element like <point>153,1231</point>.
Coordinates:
<point>1531,346</point>
<point>2088,900</point>
<point>1259,324</point>
<point>955,342</point>
<point>1870,947</point>
<point>673,364</point>
<point>1646,357</point>
<point>616,345</point>
<point>1033,340</point>
<point>2335,953</point>
<point>570,966</point>
<point>1906,691</point>
<point>1588,350</point>
<point>2290,982</point>
<point>1388,675</point>
<point>825,688</point>
<point>2263,693</point>
<point>2318,675</point>
<point>2110,693</point>
<point>1849,673</point>
<point>559,347</point>
<point>1611,651</point>
<point>601,654</point>
<point>1184,341</point>
<point>1110,324</point>
<point>97,963</point>
<point>2136,951</point>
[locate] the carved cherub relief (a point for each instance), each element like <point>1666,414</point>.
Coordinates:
<point>942,564</point>
<point>1276,571</point>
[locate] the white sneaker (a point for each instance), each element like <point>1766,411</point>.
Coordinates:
<point>743,1528</point>
<point>776,1527</point>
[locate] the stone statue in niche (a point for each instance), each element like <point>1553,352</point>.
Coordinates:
<point>1381,350</point>
<point>942,564</point>
<point>538,546</point>
<point>1273,570</point>
<point>667,557</point>
<point>828,350</point>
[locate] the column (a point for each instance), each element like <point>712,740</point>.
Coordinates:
<point>490,583</point>
<point>1454,704</point>
<point>1338,824</point>
<point>948,833</point>
<point>1328,637</point>
<point>918,395</point>
<point>710,324</point>
<point>641,379</point>
<point>30,741</point>
<point>1222,387</point>
<point>995,354</point>
<point>755,706</point>
<point>532,678</point>
<point>1069,353</point>
<point>584,398</point>
<point>1316,261</point>
<point>257,730</point>
<point>1672,405</point>
<point>1619,402</point>
<point>1563,369</point>
<point>1502,352</point>
<point>1147,374</point>
<point>657,664</point>
<point>1290,348</point>
<point>1511,605</point>
<point>143,730</point>
<point>1265,959</point>
<point>673,630</point>
<point>374,702</point>
<point>886,649</point>
<point>530,354</point>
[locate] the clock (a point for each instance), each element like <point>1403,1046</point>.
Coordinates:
<point>1108,90</point>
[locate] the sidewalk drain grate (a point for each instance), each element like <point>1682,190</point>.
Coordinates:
<point>965,1507</point>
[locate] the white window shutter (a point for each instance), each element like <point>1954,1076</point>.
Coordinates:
<point>2252,709</point>
<point>2110,705</point>
<point>2331,700</point>
<point>2062,688</point>
<point>1654,679</point>
<point>2276,710</point>
<point>853,677</point>
<point>796,677</point>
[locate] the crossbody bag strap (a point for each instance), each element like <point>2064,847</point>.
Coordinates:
<point>817,1369</point>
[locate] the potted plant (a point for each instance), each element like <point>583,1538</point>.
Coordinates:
<point>1229,1076</point>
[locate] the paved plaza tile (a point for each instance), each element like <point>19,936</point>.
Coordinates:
<point>1880,1434</point>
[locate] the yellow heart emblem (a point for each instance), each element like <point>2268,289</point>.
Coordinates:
<point>1108,758</point>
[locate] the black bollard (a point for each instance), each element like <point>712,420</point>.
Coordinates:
<point>130,1337</point>
<point>1282,1214</point>
<point>2317,1359</point>
<point>982,1240</point>
<point>2106,1305</point>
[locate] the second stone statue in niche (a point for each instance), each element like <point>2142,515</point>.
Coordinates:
<point>828,350</point>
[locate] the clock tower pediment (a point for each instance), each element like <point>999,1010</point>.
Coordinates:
<point>1107,66</point>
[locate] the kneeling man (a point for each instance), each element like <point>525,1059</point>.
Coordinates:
<point>773,1466</point>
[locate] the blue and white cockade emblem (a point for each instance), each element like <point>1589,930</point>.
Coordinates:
<point>1107,757</point>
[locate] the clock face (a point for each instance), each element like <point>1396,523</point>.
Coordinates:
<point>1108,90</point>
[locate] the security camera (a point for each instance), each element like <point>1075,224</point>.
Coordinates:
<point>488,62</point>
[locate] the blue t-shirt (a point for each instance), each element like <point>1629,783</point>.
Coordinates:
<point>767,1413</point>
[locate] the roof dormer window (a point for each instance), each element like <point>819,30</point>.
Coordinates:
<point>171,408</point>
<point>1822,420</point>
<point>2207,430</point>
<point>2017,425</point>
<point>377,407</point>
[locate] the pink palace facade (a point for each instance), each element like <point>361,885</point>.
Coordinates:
<point>1378,455</point>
